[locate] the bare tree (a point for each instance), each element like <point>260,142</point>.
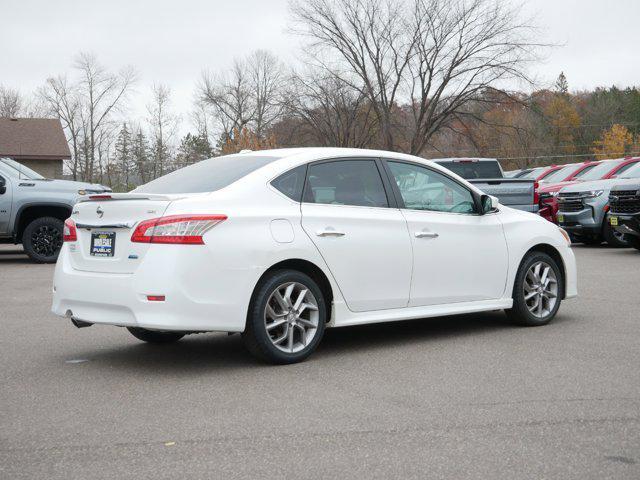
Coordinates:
<point>11,102</point>
<point>248,96</point>
<point>334,113</point>
<point>101,93</point>
<point>435,55</point>
<point>62,101</point>
<point>162,124</point>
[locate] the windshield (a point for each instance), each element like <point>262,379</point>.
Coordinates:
<point>600,171</point>
<point>632,172</point>
<point>533,174</point>
<point>473,169</point>
<point>206,176</point>
<point>564,172</point>
<point>20,171</point>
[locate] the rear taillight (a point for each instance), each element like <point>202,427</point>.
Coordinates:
<point>181,229</point>
<point>69,232</point>
<point>536,195</point>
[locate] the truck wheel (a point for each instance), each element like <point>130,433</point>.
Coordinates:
<point>42,239</point>
<point>152,336</point>
<point>537,291</point>
<point>614,238</point>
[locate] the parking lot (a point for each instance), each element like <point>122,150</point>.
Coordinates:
<point>459,397</point>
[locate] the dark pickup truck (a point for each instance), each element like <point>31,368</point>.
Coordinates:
<point>624,210</point>
<point>487,175</point>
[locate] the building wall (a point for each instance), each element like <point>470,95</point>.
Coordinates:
<point>46,168</point>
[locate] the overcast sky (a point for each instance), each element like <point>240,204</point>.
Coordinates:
<point>172,41</point>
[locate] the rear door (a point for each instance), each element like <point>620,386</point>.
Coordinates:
<point>349,215</point>
<point>104,232</point>
<point>458,255</point>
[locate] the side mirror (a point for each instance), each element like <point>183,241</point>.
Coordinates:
<point>3,186</point>
<point>489,203</point>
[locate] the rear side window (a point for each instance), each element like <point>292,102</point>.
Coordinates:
<point>346,182</point>
<point>469,169</point>
<point>208,175</point>
<point>291,183</point>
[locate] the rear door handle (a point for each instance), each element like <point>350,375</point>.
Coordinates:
<point>426,235</point>
<point>329,232</point>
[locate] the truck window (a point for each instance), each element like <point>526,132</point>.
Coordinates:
<point>471,169</point>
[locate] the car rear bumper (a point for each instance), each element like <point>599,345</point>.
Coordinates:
<point>213,301</point>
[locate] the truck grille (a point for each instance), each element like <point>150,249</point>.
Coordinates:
<point>570,202</point>
<point>624,201</point>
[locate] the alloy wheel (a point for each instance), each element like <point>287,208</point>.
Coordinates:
<point>46,240</point>
<point>540,289</point>
<point>291,317</point>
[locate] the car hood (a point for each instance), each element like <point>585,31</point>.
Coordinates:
<point>554,187</point>
<point>626,184</point>
<point>63,186</point>
<point>593,185</point>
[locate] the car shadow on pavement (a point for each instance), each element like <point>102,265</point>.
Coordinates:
<point>210,352</point>
<point>13,256</point>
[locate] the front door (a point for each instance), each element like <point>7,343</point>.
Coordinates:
<point>5,205</point>
<point>458,255</point>
<point>346,212</point>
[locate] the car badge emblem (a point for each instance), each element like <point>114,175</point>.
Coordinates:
<point>99,211</point>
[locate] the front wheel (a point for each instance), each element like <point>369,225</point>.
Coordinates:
<point>286,318</point>
<point>153,336</point>
<point>537,290</point>
<point>42,239</point>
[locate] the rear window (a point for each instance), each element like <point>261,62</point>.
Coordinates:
<point>564,172</point>
<point>471,170</point>
<point>208,175</point>
<point>533,174</point>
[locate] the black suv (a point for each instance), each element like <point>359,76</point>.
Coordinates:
<point>624,211</point>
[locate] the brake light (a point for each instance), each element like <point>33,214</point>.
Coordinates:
<point>100,197</point>
<point>69,232</point>
<point>155,298</point>
<point>179,229</point>
<point>536,194</point>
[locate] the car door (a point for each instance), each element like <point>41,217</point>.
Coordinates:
<point>458,255</point>
<point>5,205</point>
<point>349,215</point>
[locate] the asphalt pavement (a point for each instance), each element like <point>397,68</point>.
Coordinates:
<point>459,397</point>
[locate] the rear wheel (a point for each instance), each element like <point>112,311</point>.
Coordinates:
<point>42,239</point>
<point>152,336</point>
<point>537,290</point>
<point>613,237</point>
<point>286,318</point>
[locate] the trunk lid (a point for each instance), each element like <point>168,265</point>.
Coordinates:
<point>112,219</point>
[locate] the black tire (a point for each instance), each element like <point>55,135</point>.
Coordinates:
<point>613,238</point>
<point>256,338</point>
<point>519,313</point>
<point>42,239</point>
<point>153,336</point>
<point>634,241</point>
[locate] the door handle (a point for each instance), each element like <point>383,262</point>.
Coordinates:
<point>329,233</point>
<point>426,235</point>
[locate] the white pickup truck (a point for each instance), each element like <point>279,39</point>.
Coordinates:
<point>487,175</point>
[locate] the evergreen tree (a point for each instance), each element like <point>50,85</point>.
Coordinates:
<point>124,155</point>
<point>140,154</point>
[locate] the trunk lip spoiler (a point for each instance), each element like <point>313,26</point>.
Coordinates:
<point>89,226</point>
<point>130,196</point>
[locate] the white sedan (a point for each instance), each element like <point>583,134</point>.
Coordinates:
<point>281,244</point>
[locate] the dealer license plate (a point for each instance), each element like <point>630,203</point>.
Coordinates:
<point>613,221</point>
<point>103,244</point>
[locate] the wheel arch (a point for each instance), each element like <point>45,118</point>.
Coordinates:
<point>555,255</point>
<point>30,211</point>
<point>308,268</point>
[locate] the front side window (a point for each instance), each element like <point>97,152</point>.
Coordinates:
<point>345,182</point>
<point>424,189</point>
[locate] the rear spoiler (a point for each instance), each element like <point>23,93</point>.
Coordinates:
<point>106,197</point>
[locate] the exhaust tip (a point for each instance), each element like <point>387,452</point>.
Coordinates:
<point>77,323</point>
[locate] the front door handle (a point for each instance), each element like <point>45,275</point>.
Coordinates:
<point>328,232</point>
<point>426,235</point>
